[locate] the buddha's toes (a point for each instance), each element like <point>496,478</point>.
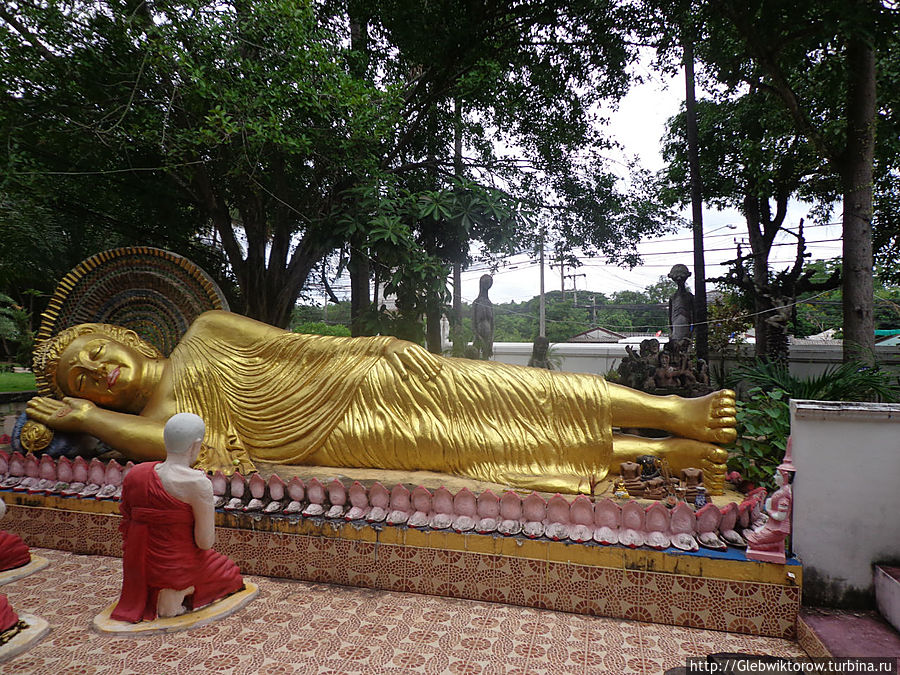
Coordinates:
<point>714,468</point>
<point>711,418</point>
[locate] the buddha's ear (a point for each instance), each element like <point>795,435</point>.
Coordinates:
<point>129,337</point>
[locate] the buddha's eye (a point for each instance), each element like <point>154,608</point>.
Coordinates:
<point>79,382</point>
<point>96,352</point>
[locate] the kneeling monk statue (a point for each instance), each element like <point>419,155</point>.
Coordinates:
<point>168,530</point>
<point>13,551</point>
<point>378,402</point>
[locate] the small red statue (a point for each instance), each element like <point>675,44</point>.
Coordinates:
<point>766,543</point>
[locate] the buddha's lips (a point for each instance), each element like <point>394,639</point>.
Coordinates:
<point>113,376</point>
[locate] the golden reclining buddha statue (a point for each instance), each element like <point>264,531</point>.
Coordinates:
<point>269,395</point>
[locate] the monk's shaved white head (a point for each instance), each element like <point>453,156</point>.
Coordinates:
<point>182,431</point>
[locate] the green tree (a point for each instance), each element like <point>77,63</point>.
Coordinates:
<point>242,116</point>
<point>819,61</point>
<point>752,159</point>
<point>283,131</point>
<point>822,311</point>
<point>508,74</point>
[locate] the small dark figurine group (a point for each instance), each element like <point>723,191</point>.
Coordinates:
<point>647,478</point>
<point>670,368</point>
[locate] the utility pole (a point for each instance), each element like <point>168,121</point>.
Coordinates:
<point>562,274</point>
<point>701,333</point>
<point>542,321</point>
<point>573,277</point>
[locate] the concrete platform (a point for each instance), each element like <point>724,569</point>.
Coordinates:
<point>887,593</point>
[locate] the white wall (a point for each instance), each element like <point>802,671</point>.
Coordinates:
<point>846,497</point>
<point>599,358</point>
<point>576,357</point>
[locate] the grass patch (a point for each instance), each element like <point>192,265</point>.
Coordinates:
<point>17,382</point>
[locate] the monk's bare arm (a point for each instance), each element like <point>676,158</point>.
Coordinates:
<point>204,513</point>
<point>141,438</point>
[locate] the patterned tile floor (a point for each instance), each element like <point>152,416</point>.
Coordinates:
<point>299,627</point>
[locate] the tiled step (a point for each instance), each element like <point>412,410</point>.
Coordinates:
<point>831,632</point>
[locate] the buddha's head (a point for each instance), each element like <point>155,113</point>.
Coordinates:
<point>103,363</point>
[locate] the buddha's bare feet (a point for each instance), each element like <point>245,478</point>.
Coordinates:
<point>709,418</point>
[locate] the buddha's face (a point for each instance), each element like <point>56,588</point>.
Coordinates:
<point>102,370</point>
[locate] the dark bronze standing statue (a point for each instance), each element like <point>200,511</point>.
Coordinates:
<point>671,369</point>
<point>681,306</point>
<point>483,319</point>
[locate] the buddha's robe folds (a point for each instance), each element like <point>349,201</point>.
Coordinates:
<point>13,551</point>
<point>327,401</point>
<point>8,616</point>
<point>159,550</point>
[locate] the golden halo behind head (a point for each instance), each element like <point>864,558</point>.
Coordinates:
<point>155,293</point>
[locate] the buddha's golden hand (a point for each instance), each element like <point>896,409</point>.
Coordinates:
<point>70,414</point>
<point>411,360</point>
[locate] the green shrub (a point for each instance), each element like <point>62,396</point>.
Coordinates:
<point>850,381</point>
<point>764,418</point>
<point>764,424</point>
<point>321,328</point>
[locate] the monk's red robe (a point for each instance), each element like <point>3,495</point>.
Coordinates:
<point>13,551</point>
<point>159,550</point>
<point>8,617</point>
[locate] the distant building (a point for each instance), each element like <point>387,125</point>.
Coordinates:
<point>597,334</point>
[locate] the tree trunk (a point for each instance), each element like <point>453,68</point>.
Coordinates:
<point>856,181</point>
<point>456,315</point>
<point>433,328</point>
<point>701,327</point>
<point>358,267</point>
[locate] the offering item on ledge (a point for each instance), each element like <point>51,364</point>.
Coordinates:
<point>168,531</point>
<point>662,485</point>
<point>377,402</point>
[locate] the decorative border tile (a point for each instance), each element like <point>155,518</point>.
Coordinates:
<point>749,607</point>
